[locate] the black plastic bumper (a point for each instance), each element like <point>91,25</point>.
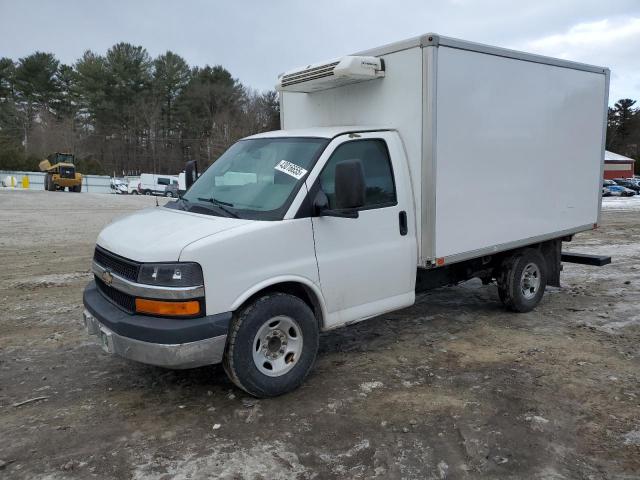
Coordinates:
<point>153,329</point>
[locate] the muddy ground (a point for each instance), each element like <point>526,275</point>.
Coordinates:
<point>454,387</point>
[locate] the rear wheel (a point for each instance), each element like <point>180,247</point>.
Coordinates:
<point>522,280</point>
<point>272,345</point>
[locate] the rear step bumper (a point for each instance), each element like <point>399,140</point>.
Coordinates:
<point>585,259</point>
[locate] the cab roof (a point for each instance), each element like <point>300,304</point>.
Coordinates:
<point>319,132</point>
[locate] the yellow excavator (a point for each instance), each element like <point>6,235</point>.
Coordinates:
<point>61,172</point>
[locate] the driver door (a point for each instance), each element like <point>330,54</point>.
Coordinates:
<point>367,265</point>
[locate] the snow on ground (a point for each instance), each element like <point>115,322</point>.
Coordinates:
<point>621,203</point>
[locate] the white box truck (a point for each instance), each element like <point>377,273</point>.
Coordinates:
<point>407,167</point>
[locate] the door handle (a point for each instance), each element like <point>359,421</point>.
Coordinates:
<point>402,218</point>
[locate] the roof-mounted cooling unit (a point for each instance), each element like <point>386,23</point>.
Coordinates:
<point>322,76</point>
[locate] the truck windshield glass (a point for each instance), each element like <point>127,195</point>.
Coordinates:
<point>257,178</point>
<point>64,158</point>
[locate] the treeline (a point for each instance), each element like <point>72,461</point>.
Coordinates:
<point>124,112</point>
<point>623,130</point>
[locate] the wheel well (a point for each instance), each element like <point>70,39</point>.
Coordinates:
<point>296,289</point>
<point>550,250</point>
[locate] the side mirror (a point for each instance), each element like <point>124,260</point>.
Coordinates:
<point>350,186</point>
<point>190,173</point>
<point>350,192</point>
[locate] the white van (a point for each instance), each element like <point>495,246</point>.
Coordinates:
<point>408,167</point>
<point>151,184</point>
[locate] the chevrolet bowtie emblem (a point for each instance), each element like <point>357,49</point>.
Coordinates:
<point>107,277</point>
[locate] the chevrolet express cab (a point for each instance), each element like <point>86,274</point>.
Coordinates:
<point>408,167</point>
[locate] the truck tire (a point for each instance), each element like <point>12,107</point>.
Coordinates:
<point>522,280</point>
<point>46,182</point>
<point>78,188</point>
<point>272,345</point>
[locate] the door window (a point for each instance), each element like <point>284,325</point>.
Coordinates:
<point>378,174</point>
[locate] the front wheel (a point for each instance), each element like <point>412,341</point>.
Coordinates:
<point>272,345</point>
<point>522,279</point>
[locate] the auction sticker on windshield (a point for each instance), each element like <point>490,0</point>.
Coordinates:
<point>292,169</point>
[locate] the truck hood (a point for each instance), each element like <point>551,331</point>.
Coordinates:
<point>159,234</point>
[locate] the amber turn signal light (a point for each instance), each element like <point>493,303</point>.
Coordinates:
<point>170,309</point>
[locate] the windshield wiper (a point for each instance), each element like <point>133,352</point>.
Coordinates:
<point>220,202</point>
<point>221,205</point>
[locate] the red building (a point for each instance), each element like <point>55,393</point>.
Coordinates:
<point>617,166</point>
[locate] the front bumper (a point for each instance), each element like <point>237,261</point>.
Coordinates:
<point>164,342</point>
<point>67,182</point>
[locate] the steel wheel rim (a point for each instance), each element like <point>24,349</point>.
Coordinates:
<point>530,281</point>
<point>277,346</point>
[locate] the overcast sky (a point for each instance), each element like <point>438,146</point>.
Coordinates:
<point>256,40</point>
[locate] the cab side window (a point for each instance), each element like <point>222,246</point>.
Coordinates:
<point>378,174</point>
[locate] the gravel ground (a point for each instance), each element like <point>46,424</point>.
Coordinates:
<point>453,387</point>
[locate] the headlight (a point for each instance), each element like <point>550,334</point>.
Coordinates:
<point>171,274</point>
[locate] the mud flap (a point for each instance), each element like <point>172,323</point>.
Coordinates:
<point>551,251</point>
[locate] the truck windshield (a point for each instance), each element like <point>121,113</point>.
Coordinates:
<point>257,178</point>
<point>64,158</point>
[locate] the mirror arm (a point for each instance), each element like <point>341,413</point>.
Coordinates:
<point>321,208</point>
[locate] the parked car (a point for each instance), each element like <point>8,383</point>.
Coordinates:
<point>133,186</point>
<point>628,183</point>
<point>172,189</point>
<point>616,190</point>
<point>634,180</point>
<point>119,186</point>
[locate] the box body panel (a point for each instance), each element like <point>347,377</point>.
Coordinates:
<point>518,150</point>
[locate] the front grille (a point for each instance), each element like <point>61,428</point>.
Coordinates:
<point>67,172</point>
<point>123,300</point>
<point>122,266</point>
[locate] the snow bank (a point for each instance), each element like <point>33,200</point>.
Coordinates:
<point>621,203</point>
